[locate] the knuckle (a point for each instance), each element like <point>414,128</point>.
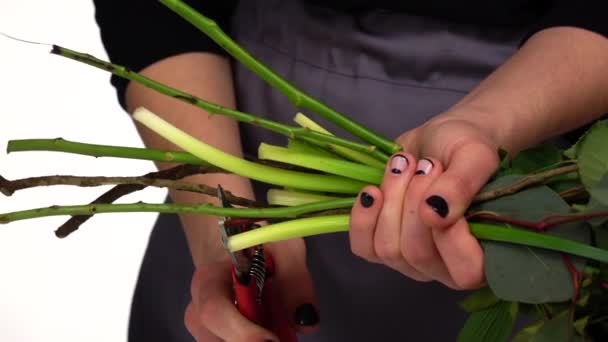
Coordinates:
<point>463,185</point>
<point>419,256</point>
<point>387,250</point>
<point>468,279</point>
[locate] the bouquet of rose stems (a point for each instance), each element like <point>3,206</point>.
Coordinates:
<point>541,219</point>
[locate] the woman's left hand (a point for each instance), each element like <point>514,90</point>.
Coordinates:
<point>414,222</point>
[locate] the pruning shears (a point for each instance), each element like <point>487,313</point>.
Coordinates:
<point>255,293</point>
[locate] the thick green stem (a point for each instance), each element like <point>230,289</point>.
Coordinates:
<point>329,165</point>
<point>291,198</point>
<point>177,208</point>
<point>251,170</point>
<point>335,223</point>
<point>289,230</point>
<point>375,160</point>
<point>61,145</point>
<point>286,130</point>
<point>492,232</point>
<point>296,96</point>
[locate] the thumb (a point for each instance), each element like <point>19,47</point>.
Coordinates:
<point>467,169</point>
<point>296,286</point>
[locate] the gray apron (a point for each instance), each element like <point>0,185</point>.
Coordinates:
<point>391,72</point>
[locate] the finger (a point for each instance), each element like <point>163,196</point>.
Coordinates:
<point>417,244</point>
<point>363,218</point>
<point>462,254</point>
<point>215,310</point>
<point>467,170</point>
<point>295,284</point>
<point>198,332</point>
<point>399,172</point>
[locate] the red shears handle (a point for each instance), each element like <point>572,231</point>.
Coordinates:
<point>271,314</point>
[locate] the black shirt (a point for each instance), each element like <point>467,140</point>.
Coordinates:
<point>137,33</point>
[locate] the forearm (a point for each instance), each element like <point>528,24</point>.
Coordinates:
<point>556,82</point>
<point>207,76</point>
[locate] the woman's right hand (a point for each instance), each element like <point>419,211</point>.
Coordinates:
<point>212,315</point>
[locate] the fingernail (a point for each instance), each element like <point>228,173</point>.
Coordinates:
<point>366,200</point>
<point>306,314</point>
<point>424,167</point>
<point>439,205</point>
<point>398,164</point>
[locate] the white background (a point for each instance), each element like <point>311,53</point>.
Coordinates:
<point>78,288</point>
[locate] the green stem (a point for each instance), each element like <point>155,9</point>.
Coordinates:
<point>251,170</point>
<point>61,145</point>
<point>286,130</point>
<point>289,230</point>
<point>299,146</point>
<point>176,208</point>
<point>492,232</point>
<point>335,223</point>
<point>296,96</point>
<point>334,166</point>
<point>291,198</point>
<point>376,160</point>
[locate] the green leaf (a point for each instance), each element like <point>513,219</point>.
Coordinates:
<point>558,329</point>
<point>592,154</point>
<point>580,325</point>
<point>492,324</point>
<point>526,274</point>
<point>527,334</point>
<point>534,159</point>
<point>598,201</point>
<point>479,300</point>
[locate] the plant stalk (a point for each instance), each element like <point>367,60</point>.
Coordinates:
<point>296,96</point>
<point>251,170</point>
<point>377,161</point>
<point>335,223</point>
<point>176,208</point>
<point>61,145</point>
<point>286,130</point>
<point>329,165</point>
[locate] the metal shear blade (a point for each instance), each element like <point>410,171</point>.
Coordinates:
<point>240,260</point>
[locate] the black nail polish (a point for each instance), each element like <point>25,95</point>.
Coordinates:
<point>439,205</point>
<point>307,315</point>
<point>366,200</point>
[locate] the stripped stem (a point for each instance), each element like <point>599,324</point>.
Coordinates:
<point>291,198</point>
<point>375,160</point>
<point>245,168</point>
<point>329,165</point>
<point>296,96</point>
<point>310,226</point>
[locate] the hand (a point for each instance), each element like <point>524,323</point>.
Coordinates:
<point>414,221</point>
<point>212,315</point>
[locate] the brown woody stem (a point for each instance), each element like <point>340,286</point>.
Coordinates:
<point>525,182</point>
